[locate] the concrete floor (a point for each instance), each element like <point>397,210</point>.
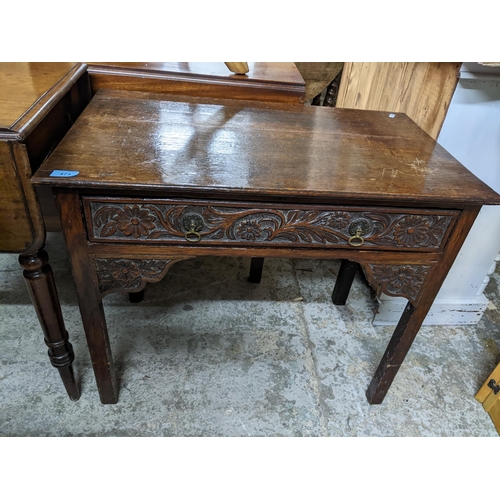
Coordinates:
<point>209,354</point>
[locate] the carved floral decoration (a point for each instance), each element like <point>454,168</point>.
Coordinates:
<point>337,220</point>
<point>412,231</point>
<point>163,221</point>
<point>129,273</point>
<point>400,280</point>
<point>249,229</point>
<point>131,220</point>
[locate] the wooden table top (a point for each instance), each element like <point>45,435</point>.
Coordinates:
<point>23,84</point>
<point>214,147</point>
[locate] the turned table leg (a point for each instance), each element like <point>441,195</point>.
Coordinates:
<point>344,281</point>
<point>42,289</point>
<point>256,265</point>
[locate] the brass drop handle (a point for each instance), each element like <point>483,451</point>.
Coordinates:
<point>192,224</point>
<point>192,235</point>
<point>357,239</point>
<point>358,229</point>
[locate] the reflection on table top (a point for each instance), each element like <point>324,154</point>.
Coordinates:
<point>125,139</point>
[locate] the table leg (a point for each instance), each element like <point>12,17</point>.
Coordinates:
<point>396,351</point>
<point>89,298</point>
<point>94,323</point>
<point>414,314</point>
<point>136,297</point>
<point>42,289</point>
<point>256,266</point>
<point>344,281</point>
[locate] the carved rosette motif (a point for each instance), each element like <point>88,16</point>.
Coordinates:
<point>163,222</point>
<point>130,274</point>
<point>398,280</point>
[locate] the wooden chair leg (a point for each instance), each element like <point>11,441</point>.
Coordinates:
<point>256,266</point>
<point>332,91</point>
<point>344,281</point>
<point>42,289</point>
<point>316,100</point>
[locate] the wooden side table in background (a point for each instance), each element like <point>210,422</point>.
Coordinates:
<point>38,104</point>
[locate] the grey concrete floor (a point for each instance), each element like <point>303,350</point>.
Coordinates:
<point>209,354</point>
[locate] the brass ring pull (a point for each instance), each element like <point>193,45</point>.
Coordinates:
<point>357,240</point>
<point>193,236</point>
<point>192,225</point>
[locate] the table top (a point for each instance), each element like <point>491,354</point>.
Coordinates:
<point>23,84</point>
<point>140,141</point>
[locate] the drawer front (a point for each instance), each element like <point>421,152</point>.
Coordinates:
<point>220,223</point>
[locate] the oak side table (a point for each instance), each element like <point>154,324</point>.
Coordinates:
<point>143,181</point>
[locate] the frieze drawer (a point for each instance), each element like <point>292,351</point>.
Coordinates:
<point>218,223</point>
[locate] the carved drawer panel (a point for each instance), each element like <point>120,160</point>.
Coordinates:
<point>259,224</point>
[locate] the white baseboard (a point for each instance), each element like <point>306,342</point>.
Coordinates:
<point>443,312</point>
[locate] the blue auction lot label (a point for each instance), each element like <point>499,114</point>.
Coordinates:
<point>64,173</point>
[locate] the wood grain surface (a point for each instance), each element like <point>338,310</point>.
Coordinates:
<point>421,90</point>
<point>16,231</point>
<point>271,82</point>
<point>23,84</point>
<point>259,71</point>
<point>215,146</point>
<point>41,101</point>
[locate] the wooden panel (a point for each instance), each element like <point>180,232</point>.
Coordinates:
<point>495,415</point>
<point>217,147</point>
<point>57,121</point>
<point>15,225</point>
<point>23,84</point>
<point>485,390</point>
<point>421,90</point>
<point>151,221</point>
<point>265,82</point>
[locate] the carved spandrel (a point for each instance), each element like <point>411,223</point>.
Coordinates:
<point>158,221</point>
<point>405,280</point>
<point>130,274</point>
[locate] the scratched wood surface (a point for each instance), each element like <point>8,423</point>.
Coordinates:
<point>215,146</point>
<point>421,90</point>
